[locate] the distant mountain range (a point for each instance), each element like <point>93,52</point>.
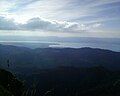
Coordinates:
<point>22,57</point>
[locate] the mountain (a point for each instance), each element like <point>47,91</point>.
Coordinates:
<point>22,57</point>
<point>72,81</point>
<point>9,85</point>
<point>60,71</point>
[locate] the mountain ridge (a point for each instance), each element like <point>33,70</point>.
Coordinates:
<point>55,57</point>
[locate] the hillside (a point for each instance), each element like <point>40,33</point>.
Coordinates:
<point>71,81</point>
<point>60,71</point>
<point>9,85</point>
<point>43,58</point>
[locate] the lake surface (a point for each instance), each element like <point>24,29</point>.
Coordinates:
<point>38,44</point>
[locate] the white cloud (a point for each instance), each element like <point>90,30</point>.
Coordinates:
<point>58,9</point>
<point>80,16</point>
<point>61,10</point>
<point>41,24</point>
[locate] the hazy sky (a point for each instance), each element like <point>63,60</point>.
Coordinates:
<point>63,18</point>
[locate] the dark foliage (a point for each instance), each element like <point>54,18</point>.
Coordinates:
<point>9,84</point>
<point>71,81</point>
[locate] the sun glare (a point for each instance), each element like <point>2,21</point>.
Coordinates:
<point>18,19</point>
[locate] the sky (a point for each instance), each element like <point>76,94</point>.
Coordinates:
<point>61,18</point>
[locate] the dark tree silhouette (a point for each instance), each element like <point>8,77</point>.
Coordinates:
<point>8,63</point>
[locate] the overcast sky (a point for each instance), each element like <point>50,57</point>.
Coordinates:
<point>63,18</point>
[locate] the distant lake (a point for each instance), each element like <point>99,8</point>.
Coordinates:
<point>38,44</point>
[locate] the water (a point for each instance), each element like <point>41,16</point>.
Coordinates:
<point>38,44</point>
<point>29,44</point>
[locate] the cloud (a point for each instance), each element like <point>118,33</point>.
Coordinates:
<point>60,9</point>
<point>7,24</point>
<point>63,10</point>
<point>62,16</point>
<point>41,24</point>
<point>19,4</point>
